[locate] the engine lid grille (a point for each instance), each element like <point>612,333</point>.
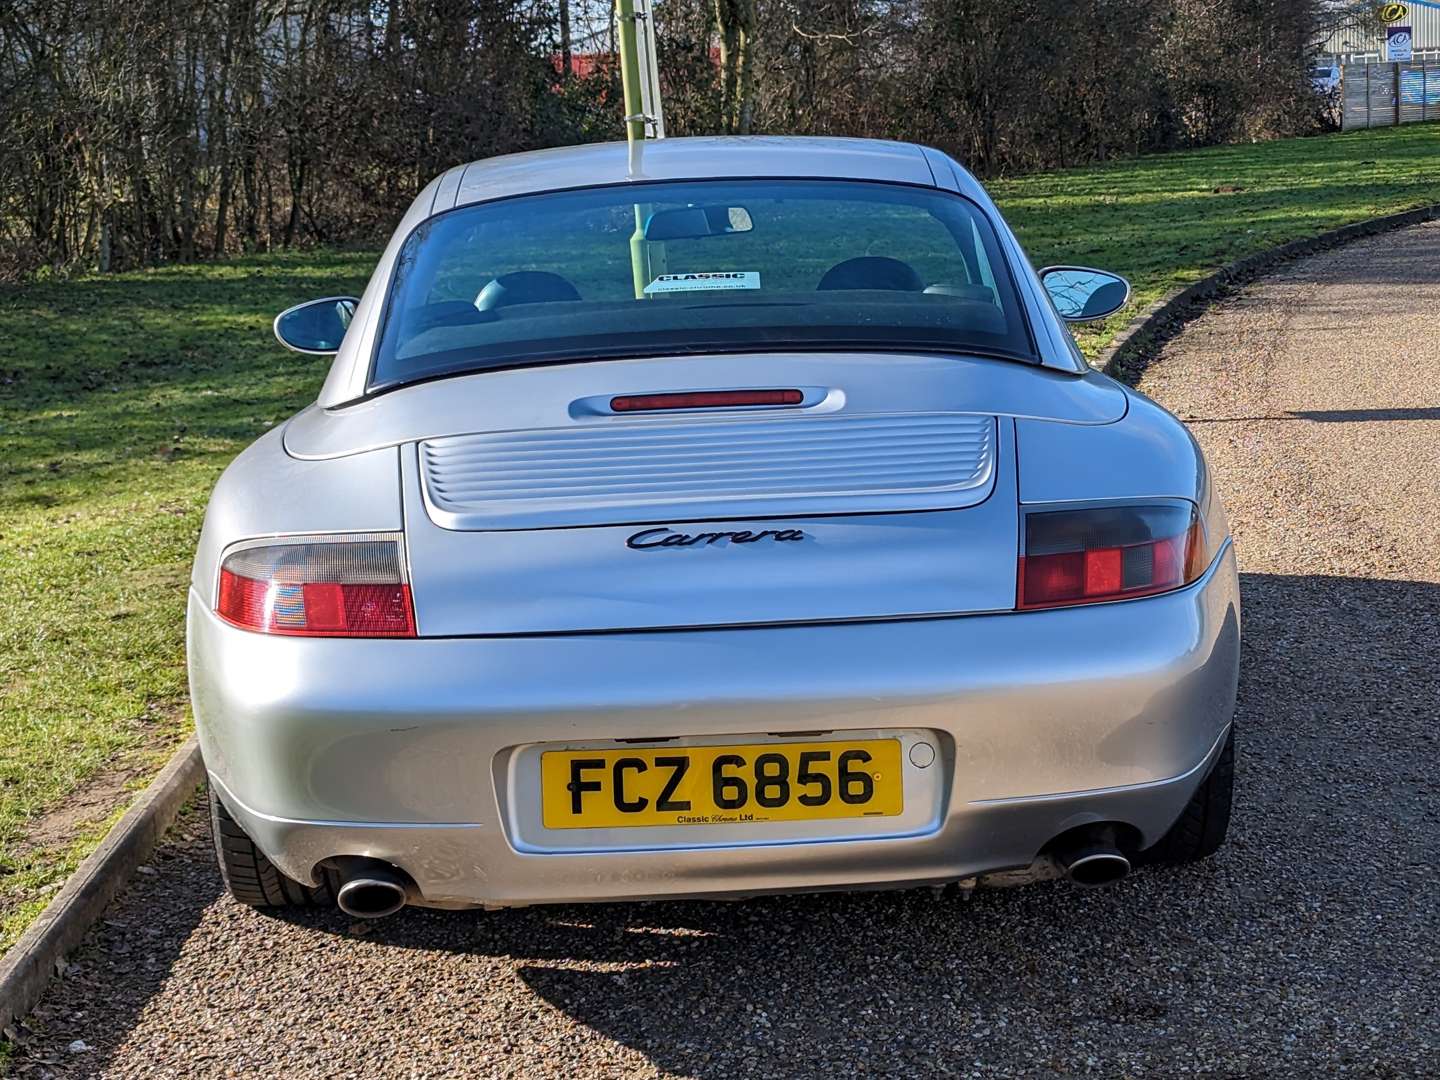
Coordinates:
<point>632,471</point>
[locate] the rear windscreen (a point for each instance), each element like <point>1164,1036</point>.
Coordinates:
<point>703,266</point>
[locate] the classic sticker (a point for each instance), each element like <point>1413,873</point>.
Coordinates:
<point>722,279</point>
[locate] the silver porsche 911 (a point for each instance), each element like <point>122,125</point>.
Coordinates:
<point>741,520</point>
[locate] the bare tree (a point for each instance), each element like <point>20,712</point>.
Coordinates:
<point>137,131</point>
<point>736,22</point>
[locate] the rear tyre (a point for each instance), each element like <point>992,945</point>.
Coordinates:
<point>249,875</point>
<point>1202,825</point>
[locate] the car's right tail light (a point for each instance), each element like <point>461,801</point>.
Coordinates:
<point>345,585</point>
<point>1096,554</point>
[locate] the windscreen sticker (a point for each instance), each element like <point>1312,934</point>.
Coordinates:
<point>725,279</point>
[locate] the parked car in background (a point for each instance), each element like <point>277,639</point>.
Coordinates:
<point>741,519</point>
<point>1325,77</point>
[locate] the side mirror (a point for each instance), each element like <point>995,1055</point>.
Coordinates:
<point>317,327</point>
<point>1082,295</point>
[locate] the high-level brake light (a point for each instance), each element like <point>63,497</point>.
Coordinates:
<point>1091,555</point>
<point>705,399</point>
<point>348,585</point>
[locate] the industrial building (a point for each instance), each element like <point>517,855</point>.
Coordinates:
<point>1359,35</point>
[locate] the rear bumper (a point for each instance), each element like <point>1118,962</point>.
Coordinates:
<point>396,749</point>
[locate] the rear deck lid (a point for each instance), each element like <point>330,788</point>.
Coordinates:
<point>740,522</point>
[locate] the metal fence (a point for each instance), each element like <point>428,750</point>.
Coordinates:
<point>1382,95</point>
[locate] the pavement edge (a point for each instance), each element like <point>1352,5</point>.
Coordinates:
<point>26,969</point>
<point>1129,351</point>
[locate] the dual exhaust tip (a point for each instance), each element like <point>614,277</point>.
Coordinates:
<point>1091,857</point>
<point>369,888</point>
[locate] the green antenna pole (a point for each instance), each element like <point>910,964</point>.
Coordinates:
<point>634,134</point>
<point>630,72</point>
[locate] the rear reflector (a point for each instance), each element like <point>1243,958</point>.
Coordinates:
<point>340,586</point>
<point>1109,553</point>
<point>706,399</point>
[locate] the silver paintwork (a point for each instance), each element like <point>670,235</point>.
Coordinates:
<point>848,566</point>
<point>266,492</point>
<point>556,397</point>
<point>539,626</point>
<point>1057,719</point>
<point>1150,455</point>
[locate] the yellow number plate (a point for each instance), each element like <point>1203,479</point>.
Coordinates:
<point>720,785</point>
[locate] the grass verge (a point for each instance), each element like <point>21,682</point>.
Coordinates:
<point>122,398</point>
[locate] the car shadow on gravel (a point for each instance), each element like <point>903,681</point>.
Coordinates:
<point>1306,944</point>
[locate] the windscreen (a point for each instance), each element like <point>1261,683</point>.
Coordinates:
<point>697,267</point>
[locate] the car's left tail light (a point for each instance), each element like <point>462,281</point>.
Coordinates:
<point>348,585</point>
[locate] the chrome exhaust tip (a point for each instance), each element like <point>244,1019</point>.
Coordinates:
<point>370,889</point>
<point>1098,868</point>
<point>1091,858</point>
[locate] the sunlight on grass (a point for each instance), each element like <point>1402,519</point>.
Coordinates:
<point>121,399</point>
<point>1168,220</point>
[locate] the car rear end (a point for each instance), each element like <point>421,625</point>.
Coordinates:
<point>918,690</point>
<point>818,575</point>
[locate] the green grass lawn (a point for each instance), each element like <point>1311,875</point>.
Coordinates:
<point>122,398</point>
<point>1161,222</point>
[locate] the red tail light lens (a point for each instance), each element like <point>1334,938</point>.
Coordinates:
<point>333,586</point>
<point>1109,553</point>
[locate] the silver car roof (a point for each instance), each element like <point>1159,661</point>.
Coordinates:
<point>681,159</point>
<point>701,158</point>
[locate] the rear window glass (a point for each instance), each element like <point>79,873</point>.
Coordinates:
<point>709,266</point>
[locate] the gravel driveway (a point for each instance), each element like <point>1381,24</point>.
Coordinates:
<point>1309,944</point>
